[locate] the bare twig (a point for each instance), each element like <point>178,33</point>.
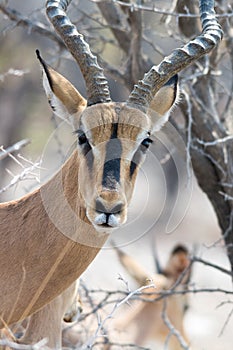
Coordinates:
<point>215,142</point>
<point>121,345</point>
<point>41,345</point>
<point>14,72</point>
<point>229,316</point>
<point>207,263</point>
<point>26,174</point>
<point>22,21</point>
<point>140,7</point>
<point>226,196</point>
<point>117,305</point>
<point>173,330</point>
<point>14,148</point>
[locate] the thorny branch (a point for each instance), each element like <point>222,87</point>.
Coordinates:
<point>146,297</point>
<point>28,167</point>
<point>14,148</point>
<point>101,323</point>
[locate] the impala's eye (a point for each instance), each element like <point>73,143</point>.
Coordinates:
<point>82,139</point>
<point>146,142</point>
<point>83,142</point>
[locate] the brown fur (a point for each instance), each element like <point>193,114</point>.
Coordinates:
<point>47,237</point>
<point>145,318</point>
<point>39,262</point>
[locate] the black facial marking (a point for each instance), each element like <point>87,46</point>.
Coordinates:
<point>112,164</point>
<point>114,130</point>
<point>135,162</point>
<point>86,148</point>
<point>137,157</point>
<point>111,174</point>
<point>89,159</point>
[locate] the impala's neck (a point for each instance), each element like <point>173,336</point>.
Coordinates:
<point>69,175</point>
<point>65,206</point>
<point>49,242</point>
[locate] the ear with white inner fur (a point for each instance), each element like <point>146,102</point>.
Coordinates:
<point>164,101</point>
<point>63,97</point>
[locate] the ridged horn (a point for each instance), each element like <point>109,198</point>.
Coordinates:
<point>96,83</point>
<point>179,59</point>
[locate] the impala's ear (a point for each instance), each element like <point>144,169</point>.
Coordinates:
<point>63,97</point>
<point>133,268</point>
<point>164,100</point>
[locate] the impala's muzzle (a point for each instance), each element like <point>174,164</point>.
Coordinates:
<point>110,210</point>
<point>108,215</point>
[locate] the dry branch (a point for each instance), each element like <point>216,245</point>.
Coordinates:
<point>14,148</point>
<point>132,6</point>
<point>22,21</point>
<point>41,345</point>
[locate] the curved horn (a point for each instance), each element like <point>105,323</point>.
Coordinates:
<point>179,59</point>
<point>96,83</point>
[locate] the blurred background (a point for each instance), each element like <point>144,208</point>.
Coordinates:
<point>161,185</point>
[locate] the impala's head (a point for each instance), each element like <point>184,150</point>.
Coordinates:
<point>112,138</point>
<point>112,142</point>
<point>178,264</point>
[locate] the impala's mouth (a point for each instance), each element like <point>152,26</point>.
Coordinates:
<point>106,221</point>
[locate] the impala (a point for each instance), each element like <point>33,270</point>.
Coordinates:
<point>144,322</point>
<point>50,236</point>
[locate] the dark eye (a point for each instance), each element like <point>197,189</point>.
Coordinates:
<point>82,139</point>
<point>146,142</point>
<point>83,142</point>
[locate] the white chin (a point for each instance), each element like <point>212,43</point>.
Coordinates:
<point>104,225</point>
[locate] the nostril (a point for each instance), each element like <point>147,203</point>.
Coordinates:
<point>101,208</point>
<point>117,208</point>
